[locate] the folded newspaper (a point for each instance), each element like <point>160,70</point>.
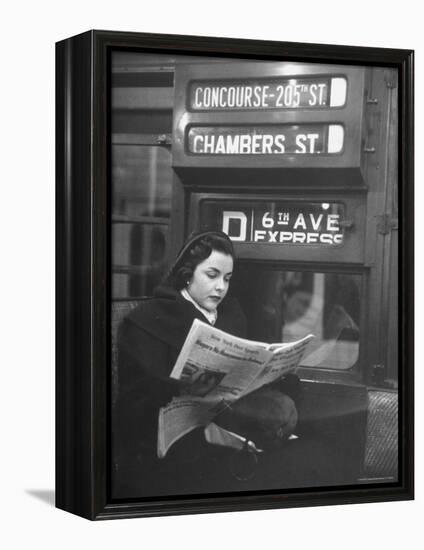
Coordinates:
<point>222,368</point>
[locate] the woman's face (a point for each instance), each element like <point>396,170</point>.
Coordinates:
<point>211,280</point>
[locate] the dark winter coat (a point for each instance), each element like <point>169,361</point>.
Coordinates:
<point>149,341</point>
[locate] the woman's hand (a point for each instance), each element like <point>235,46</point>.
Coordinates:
<point>205,383</point>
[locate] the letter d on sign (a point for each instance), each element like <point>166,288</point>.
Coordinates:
<point>227,216</point>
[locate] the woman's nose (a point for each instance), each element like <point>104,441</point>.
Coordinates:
<point>220,284</point>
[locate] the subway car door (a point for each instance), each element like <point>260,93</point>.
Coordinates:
<point>297,164</point>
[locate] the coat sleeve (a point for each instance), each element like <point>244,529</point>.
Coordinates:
<point>144,365</point>
<point>152,357</point>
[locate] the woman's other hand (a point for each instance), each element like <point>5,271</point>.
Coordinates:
<point>205,383</point>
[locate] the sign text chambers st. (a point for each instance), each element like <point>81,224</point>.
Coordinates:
<point>282,139</point>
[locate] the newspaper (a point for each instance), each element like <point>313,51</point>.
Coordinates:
<point>216,369</point>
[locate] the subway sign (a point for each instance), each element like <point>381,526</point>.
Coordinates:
<point>244,115</point>
<point>277,223</point>
<point>282,93</point>
<point>298,139</point>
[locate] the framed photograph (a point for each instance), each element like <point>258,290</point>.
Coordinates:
<point>234,274</point>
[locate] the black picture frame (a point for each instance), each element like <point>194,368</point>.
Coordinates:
<point>82,264</point>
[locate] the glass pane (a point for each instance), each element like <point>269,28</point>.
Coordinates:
<point>287,305</point>
<point>141,206</point>
<point>142,181</point>
<point>138,121</point>
<point>138,256</point>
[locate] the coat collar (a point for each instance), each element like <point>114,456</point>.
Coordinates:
<point>167,316</point>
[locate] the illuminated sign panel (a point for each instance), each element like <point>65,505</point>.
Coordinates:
<point>278,223</point>
<point>286,93</point>
<point>269,115</point>
<point>309,139</point>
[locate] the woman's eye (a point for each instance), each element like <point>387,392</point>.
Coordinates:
<point>211,275</point>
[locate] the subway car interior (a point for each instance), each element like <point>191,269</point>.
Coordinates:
<point>297,163</point>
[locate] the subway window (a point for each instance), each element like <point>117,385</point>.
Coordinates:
<point>140,217</point>
<point>141,175</point>
<point>285,306</point>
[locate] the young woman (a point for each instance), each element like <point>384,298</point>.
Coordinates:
<point>149,341</point>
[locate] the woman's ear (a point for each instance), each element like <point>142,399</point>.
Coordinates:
<point>186,276</point>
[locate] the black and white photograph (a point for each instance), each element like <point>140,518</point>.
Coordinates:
<point>254,275</point>
<point>211,283</point>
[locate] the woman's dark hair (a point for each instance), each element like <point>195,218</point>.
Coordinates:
<point>195,250</point>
